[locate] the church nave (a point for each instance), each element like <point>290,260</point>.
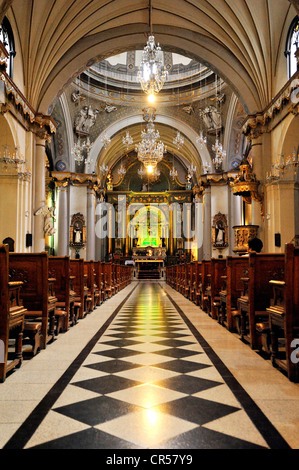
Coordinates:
<point>148,370</point>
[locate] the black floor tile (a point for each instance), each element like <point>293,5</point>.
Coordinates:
<point>196,410</point>
<point>113,366</point>
<point>182,367</point>
<point>187,384</point>
<point>88,439</point>
<point>97,410</point>
<point>106,384</point>
<point>202,438</point>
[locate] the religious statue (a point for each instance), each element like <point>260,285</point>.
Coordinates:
<point>219,230</point>
<point>48,213</point>
<point>211,118</point>
<point>77,231</point>
<point>85,119</point>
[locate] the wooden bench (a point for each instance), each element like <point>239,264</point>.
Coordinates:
<point>237,267</point>
<point>59,269</point>
<point>12,318</point>
<point>284,316</point>
<point>99,281</point>
<point>218,271</point>
<point>90,277</point>
<point>252,305</point>
<point>205,284</point>
<point>109,287</point>
<point>77,275</point>
<point>37,291</point>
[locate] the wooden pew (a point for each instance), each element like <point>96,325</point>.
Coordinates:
<point>237,267</point>
<point>77,274</point>
<point>89,276</point>
<point>218,270</point>
<point>37,291</point>
<point>205,284</point>
<point>252,305</point>
<point>99,280</point>
<point>284,316</point>
<point>193,278</point>
<point>198,283</point>
<point>109,287</point>
<point>12,318</point>
<point>59,269</point>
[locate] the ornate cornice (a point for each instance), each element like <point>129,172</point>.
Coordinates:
<point>37,121</point>
<point>261,119</point>
<point>65,178</point>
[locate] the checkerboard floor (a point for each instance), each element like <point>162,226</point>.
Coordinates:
<point>148,381</point>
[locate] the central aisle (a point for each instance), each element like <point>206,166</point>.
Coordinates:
<point>148,382</point>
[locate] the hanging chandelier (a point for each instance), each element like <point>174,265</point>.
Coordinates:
<point>173,173</point>
<point>80,151</point>
<point>149,151</point>
<point>151,74</point>
<point>201,140</point>
<point>127,140</point>
<point>105,140</point>
<point>121,171</point>
<point>179,140</point>
<point>220,154</point>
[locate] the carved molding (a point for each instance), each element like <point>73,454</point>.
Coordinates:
<point>259,120</point>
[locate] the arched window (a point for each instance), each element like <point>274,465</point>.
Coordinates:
<point>7,38</point>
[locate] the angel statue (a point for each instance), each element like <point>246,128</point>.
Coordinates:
<point>48,213</point>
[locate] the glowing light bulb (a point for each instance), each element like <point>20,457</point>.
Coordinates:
<point>151,98</point>
<point>150,169</point>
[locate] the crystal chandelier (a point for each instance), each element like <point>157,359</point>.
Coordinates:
<point>173,172</point>
<point>154,176</point>
<point>149,151</point>
<point>201,140</point>
<point>127,140</point>
<point>105,140</point>
<point>179,140</point>
<point>191,169</point>
<point>122,171</point>
<point>79,149</point>
<point>104,169</point>
<point>151,74</point>
<point>220,154</point>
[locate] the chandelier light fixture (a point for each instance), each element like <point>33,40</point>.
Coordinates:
<point>178,140</point>
<point>105,140</point>
<point>127,140</point>
<point>220,153</point>
<point>80,151</point>
<point>150,151</point>
<point>201,140</point>
<point>151,74</point>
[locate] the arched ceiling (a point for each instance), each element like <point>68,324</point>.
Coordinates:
<point>240,40</point>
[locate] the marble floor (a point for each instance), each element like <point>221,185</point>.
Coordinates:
<point>148,370</point>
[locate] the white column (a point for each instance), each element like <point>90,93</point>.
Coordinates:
<point>207,231</point>
<point>39,193</point>
<point>62,220</point>
<point>91,235</point>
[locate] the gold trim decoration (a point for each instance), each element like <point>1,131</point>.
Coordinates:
<point>40,119</point>
<point>260,119</point>
<point>246,185</point>
<point>243,233</point>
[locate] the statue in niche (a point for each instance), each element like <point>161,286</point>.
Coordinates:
<point>219,231</point>
<point>77,231</point>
